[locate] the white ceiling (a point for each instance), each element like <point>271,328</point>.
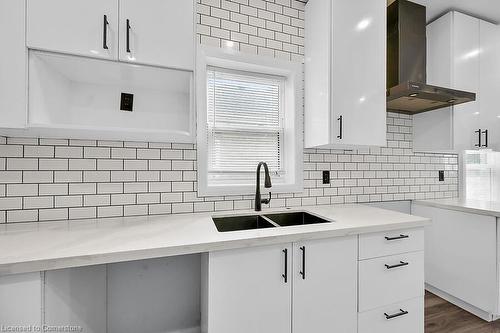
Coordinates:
<point>488,10</point>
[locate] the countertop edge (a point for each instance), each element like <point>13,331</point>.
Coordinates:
<point>143,254</point>
<point>458,207</point>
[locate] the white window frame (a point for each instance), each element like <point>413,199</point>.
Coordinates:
<point>292,181</point>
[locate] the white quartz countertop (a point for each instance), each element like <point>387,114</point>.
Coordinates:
<point>482,207</point>
<point>29,247</point>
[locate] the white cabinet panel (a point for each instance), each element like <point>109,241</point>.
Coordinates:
<point>75,27</point>
<point>76,297</point>
<point>387,280</point>
<point>460,255</point>
<point>161,32</point>
<point>465,62</point>
<point>359,92</point>
<point>246,290</point>
<point>345,107</point>
<point>387,243</point>
<point>411,319</point>
<point>20,299</point>
<point>13,63</point>
<point>489,84</point>
<point>325,290</point>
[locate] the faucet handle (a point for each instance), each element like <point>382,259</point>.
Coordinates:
<point>266,201</point>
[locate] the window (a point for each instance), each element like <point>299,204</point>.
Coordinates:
<point>247,113</point>
<point>245,124</point>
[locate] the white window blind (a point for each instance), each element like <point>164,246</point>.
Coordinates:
<point>244,123</point>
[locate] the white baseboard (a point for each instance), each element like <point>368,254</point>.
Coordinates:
<point>196,329</point>
<point>461,304</point>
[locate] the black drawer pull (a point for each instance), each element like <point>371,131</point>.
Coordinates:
<point>285,275</point>
<point>397,237</point>
<point>401,264</point>
<point>105,33</point>
<point>399,314</point>
<point>128,35</point>
<point>303,271</point>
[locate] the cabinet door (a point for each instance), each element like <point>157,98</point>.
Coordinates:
<point>75,27</point>
<point>247,292</point>
<point>466,50</point>
<point>13,73</point>
<point>325,286</point>
<point>359,91</point>
<point>159,32</point>
<point>489,85</point>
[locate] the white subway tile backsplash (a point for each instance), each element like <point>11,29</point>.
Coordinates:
<point>38,202</point>
<point>36,177</point>
<point>54,179</point>
<point>38,151</point>
<point>21,190</point>
<point>69,152</point>
<point>22,215</point>
<point>53,214</point>
<point>83,213</point>
<point>68,201</point>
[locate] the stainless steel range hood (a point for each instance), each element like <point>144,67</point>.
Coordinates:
<point>407,90</point>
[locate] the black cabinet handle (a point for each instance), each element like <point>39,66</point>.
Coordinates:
<point>340,119</point>
<point>479,134</point>
<point>401,264</point>
<point>485,132</point>
<point>285,275</point>
<point>105,32</point>
<point>128,36</point>
<point>399,314</point>
<point>397,237</point>
<point>303,271</point>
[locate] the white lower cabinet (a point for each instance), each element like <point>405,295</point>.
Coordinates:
<point>250,290</point>
<point>387,280</point>
<point>324,286</point>
<point>461,258</point>
<point>406,316</point>
<point>391,285</point>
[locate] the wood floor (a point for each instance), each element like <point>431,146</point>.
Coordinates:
<point>444,317</point>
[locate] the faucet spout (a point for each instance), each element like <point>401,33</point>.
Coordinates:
<point>267,184</point>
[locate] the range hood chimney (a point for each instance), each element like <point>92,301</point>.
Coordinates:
<point>408,91</point>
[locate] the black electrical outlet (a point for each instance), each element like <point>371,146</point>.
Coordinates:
<point>326,177</point>
<point>127,102</point>
<point>441,175</point>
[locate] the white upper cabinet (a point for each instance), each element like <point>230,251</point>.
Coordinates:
<point>465,76</point>
<point>489,85</point>
<point>13,59</point>
<point>88,27</point>
<point>158,32</point>
<point>150,32</point>
<point>462,53</point>
<point>345,73</point>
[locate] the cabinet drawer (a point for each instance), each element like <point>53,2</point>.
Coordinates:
<point>390,242</point>
<point>411,319</point>
<point>388,280</point>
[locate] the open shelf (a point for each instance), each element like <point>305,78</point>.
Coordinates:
<point>77,97</point>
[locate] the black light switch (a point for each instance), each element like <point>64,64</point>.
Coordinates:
<point>127,102</point>
<point>326,177</point>
<point>441,175</point>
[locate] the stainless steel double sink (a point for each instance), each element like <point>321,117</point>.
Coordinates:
<point>272,220</point>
